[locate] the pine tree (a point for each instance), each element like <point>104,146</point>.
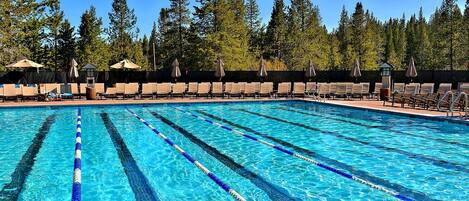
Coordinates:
<point>275,40</point>
<point>358,27</point>
<point>334,54</point>
<point>178,25</point>
<point>153,45</point>
<point>54,20</point>
<point>423,47</point>
<point>344,38</point>
<point>466,33</point>
<point>91,47</point>
<point>254,23</point>
<point>122,29</point>
<point>164,42</point>
<point>66,45</point>
<point>146,48</point>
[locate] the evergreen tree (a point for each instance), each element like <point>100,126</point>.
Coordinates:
<point>334,54</point>
<point>121,30</point>
<point>178,25</point>
<point>66,45</point>
<point>466,33</point>
<point>146,48</point>
<point>91,47</point>
<point>54,20</point>
<point>423,47</point>
<point>358,32</point>
<point>275,40</point>
<point>153,45</point>
<point>164,42</point>
<point>254,23</point>
<point>344,38</point>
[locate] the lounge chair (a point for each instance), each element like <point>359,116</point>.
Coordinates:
<point>348,89</point>
<point>357,91</point>
<point>298,89</point>
<point>235,91</point>
<point>426,91</point>
<point>51,91</point>
<point>365,89</point>
<point>120,89</point>
<point>284,89</point>
<point>341,90</point>
<point>217,89</point>
<point>99,87</point>
<point>323,90</point>
<point>29,92</point>
<point>131,90</point>
<point>66,91</point>
<point>432,100</point>
<point>83,89</point>
<point>242,85</point>
<point>332,90</point>
<point>179,89</point>
<point>228,86</point>
<point>257,86</point>
<point>74,89</point>
<point>409,91</point>
<point>203,89</point>
<point>398,88</point>
<point>249,90</point>
<point>148,90</point>
<point>192,89</point>
<point>9,92</point>
<point>311,88</point>
<point>1,91</point>
<point>267,89</point>
<point>163,89</point>
<point>111,92</point>
<point>377,91</point>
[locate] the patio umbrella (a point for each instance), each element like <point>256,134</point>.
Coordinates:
<point>175,71</point>
<point>125,64</point>
<point>73,69</point>
<point>25,63</point>
<point>411,70</point>
<point>356,73</point>
<point>311,72</point>
<point>220,70</point>
<point>262,72</point>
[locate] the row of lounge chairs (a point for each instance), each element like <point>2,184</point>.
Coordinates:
<point>423,96</point>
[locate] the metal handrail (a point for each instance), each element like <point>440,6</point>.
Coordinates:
<point>448,93</point>
<point>464,107</point>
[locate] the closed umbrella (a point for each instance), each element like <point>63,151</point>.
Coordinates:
<point>311,72</point>
<point>356,73</point>
<point>220,70</point>
<point>73,69</point>
<point>262,72</point>
<point>175,71</point>
<point>411,70</point>
<point>125,64</point>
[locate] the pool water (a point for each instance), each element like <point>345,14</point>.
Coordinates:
<point>123,159</point>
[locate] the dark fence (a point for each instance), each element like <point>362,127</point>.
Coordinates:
<point>233,76</point>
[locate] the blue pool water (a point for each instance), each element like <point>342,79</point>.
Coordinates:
<point>123,159</point>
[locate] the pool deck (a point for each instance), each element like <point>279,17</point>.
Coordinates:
<point>365,104</point>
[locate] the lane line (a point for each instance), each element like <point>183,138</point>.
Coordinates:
<point>274,192</point>
<point>12,190</point>
<point>307,159</point>
<point>423,158</point>
<point>385,128</point>
<point>363,174</point>
<point>137,180</point>
<point>76,188</point>
<point>201,167</point>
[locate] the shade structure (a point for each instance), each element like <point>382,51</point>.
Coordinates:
<point>356,70</point>
<point>74,69</point>
<point>125,64</point>
<point>89,66</point>
<point>411,70</point>
<point>310,72</point>
<point>262,72</point>
<point>220,69</point>
<point>175,71</point>
<point>25,63</point>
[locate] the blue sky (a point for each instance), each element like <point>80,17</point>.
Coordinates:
<point>147,10</point>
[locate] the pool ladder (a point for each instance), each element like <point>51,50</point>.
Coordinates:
<point>461,98</point>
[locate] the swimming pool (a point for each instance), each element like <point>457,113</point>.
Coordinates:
<point>272,150</point>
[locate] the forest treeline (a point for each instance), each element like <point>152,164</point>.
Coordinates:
<point>233,31</point>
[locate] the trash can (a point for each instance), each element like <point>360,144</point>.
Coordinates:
<point>384,94</point>
<point>90,93</point>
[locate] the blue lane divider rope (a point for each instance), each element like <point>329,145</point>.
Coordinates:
<point>307,159</point>
<point>76,190</point>
<point>212,176</point>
